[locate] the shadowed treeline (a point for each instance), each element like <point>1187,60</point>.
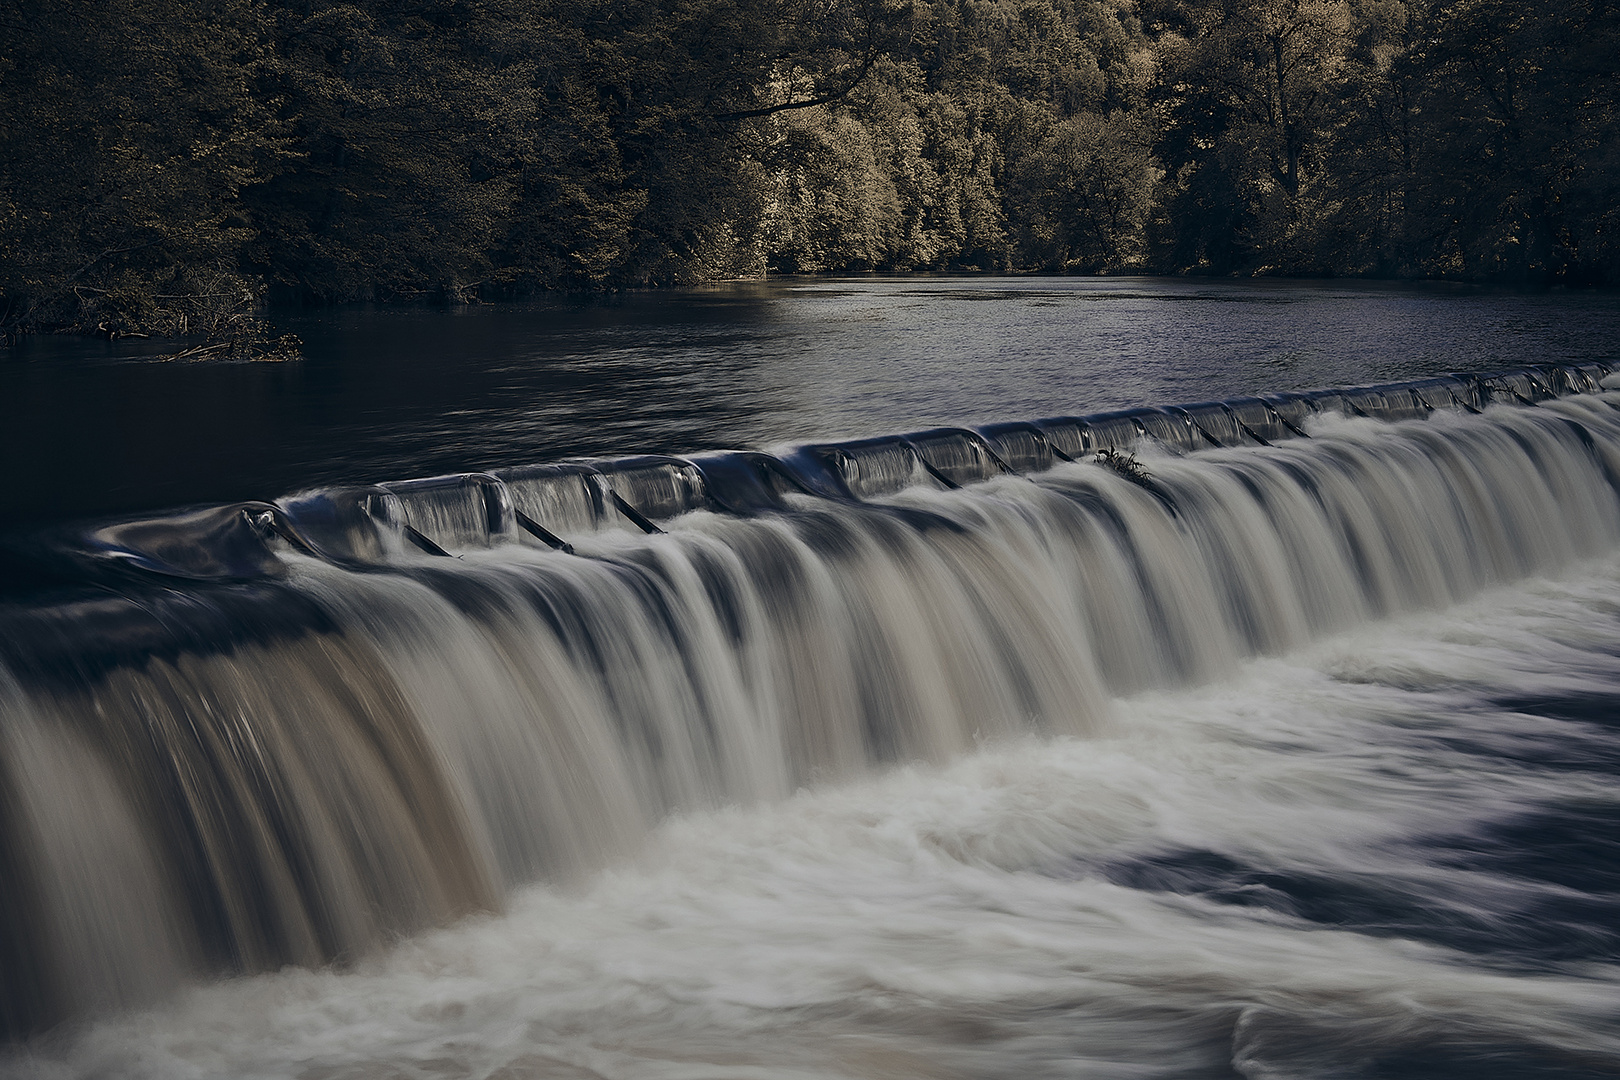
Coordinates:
<point>163,164</point>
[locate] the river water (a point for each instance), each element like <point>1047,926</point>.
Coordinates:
<point>88,428</point>
<point>1280,761</point>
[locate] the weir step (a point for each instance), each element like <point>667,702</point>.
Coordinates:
<point>371,527</point>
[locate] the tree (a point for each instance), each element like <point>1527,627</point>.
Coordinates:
<point>1254,91</point>
<point>1516,174</point>
<point>1084,198</point>
<point>130,130</point>
<point>407,117</point>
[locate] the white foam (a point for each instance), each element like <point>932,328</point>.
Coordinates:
<point>962,920</point>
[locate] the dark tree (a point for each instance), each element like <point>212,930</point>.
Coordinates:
<point>128,130</point>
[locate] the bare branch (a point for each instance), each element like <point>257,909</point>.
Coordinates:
<point>807,103</point>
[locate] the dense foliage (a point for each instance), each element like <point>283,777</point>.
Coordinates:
<point>162,164</point>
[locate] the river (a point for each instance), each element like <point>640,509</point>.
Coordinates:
<point>385,393</point>
<point>974,756</point>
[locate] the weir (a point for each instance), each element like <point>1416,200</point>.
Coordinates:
<point>288,732</point>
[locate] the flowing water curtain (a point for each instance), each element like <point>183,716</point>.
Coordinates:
<point>235,776</point>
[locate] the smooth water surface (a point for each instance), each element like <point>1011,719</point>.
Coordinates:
<point>93,429</point>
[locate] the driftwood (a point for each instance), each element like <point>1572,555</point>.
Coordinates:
<point>255,347</point>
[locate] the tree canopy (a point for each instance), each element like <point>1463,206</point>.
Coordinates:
<point>163,164</point>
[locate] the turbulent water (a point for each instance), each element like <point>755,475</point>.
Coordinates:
<point>1294,758</point>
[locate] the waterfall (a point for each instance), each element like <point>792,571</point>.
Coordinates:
<point>288,733</point>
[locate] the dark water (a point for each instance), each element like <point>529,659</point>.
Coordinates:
<point>1296,761</point>
<point>91,428</point>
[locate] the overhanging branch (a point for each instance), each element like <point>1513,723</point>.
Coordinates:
<point>806,103</point>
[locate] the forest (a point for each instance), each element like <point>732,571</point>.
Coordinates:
<point>165,166</point>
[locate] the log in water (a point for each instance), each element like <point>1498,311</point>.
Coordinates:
<point>291,733</point>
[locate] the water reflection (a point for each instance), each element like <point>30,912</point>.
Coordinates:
<point>88,428</point>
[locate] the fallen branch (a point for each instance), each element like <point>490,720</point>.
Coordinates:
<point>1126,465</point>
<point>257,347</point>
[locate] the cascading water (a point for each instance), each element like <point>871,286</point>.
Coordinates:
<point>290,733</point>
